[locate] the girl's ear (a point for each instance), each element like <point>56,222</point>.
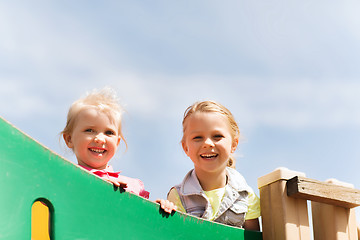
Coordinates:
<point>68,141</point>
<point>234,144</point>
<point>185,147</point>
<point>118,141</point>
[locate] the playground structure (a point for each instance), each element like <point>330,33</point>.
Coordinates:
<point>284,195</point>
<point>82,206</point>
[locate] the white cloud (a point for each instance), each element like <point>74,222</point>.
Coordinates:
<point>73,57</point>
<point>294,103</point>
<point>18,102</point>
<point>291,104</point>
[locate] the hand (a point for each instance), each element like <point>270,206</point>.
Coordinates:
<point>166,205</point>
<point>115,181</point>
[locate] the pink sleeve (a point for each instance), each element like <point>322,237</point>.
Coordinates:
<point>135,186</point>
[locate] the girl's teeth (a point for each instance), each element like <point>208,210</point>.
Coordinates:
<point>208,155</point>
<point>97,150</point>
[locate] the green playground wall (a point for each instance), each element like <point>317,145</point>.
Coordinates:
<point>83,206</point>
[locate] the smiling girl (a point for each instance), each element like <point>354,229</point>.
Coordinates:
<point>93,132</point>
<point>214,190</point>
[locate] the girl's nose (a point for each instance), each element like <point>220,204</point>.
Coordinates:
<point>209,142</point>
<point>100,138</point>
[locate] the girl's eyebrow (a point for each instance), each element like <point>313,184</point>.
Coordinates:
<point>89,126</point>
<point>195,133</point>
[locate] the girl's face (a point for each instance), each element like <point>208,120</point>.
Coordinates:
<point>94,138</point>
<point>208,142</point>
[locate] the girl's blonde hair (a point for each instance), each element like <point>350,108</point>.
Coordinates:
<point>104,100</point>
<point>214,107</point>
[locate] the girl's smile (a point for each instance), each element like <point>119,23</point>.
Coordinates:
<point>97,150</point>
<point>209,156</point>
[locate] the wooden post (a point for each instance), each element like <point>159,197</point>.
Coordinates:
<point>333,222</point>
<point>282,217</point>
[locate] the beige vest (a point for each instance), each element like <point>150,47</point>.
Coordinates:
<point>233,207</point>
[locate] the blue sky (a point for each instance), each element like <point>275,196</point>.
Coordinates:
<point>288,71</point>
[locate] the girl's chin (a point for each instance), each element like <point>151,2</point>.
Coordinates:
<point>97,167</point>
<point>97,163</point>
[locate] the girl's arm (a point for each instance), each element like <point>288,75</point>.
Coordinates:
<point>252,224</point>
<point>253,214</point>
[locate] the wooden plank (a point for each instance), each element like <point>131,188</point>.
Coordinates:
<point>309,189</point>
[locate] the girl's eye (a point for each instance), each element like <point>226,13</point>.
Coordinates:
<point>110,133</point>
<point>89,130</point>
<point>218,136</point>
<point>197,138</point>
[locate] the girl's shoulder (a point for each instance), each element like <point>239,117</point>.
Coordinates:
<point>237,181</point>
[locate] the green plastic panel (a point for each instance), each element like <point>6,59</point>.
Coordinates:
<point>84,206</point>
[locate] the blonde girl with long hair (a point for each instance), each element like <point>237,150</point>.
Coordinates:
<point>214,190</point>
